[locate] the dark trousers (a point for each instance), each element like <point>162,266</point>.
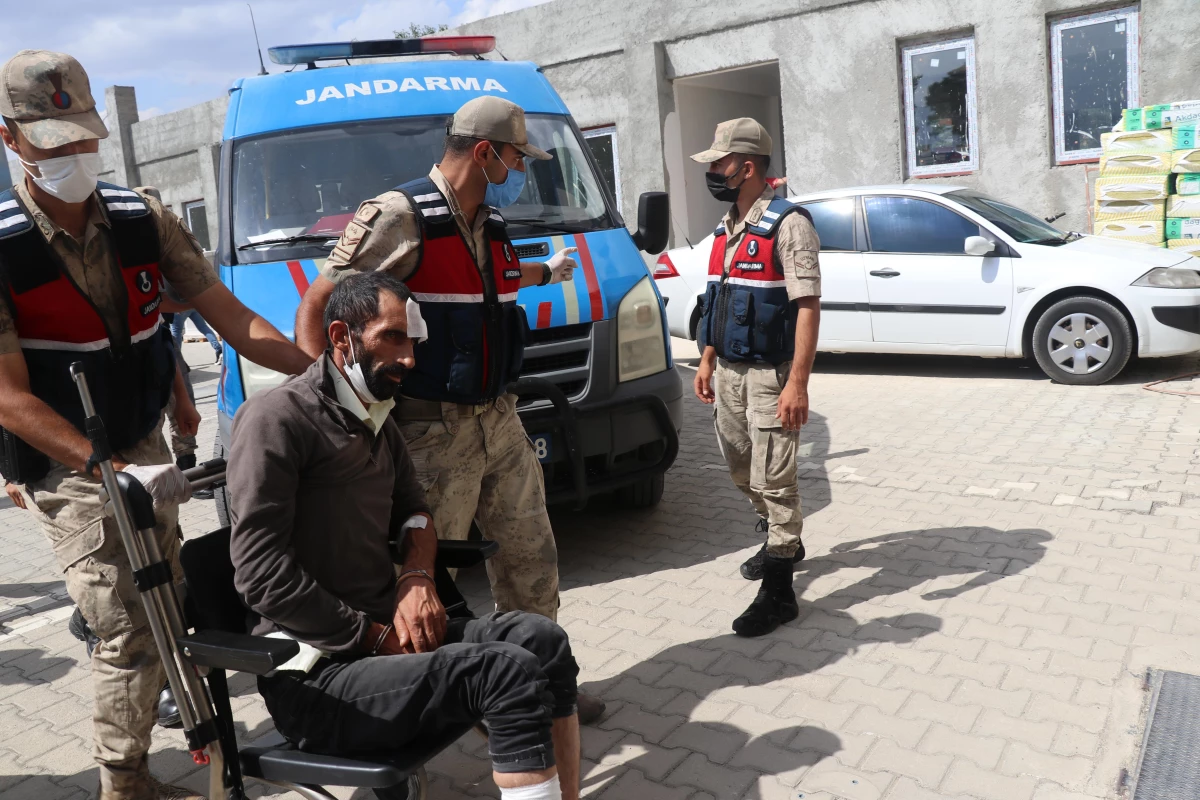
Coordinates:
<point>513,670</point>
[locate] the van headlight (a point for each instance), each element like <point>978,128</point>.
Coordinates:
<point>256,378</point>
<point>641,348</point>
<point>1170,278</point>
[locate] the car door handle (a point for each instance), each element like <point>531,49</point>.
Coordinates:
<point>884,273</point>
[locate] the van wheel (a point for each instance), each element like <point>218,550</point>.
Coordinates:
<point>644,494</point>
<point>220,494</point>
<point>1082,341</point>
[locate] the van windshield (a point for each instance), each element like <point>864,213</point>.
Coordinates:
<point>294,192</point>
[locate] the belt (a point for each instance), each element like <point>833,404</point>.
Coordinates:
<point>408,408</point>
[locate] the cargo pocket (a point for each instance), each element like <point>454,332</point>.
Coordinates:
<point>424,442</point>
<point>768,326</point>
<point>773,461</point>
<point>466,358</point>
<point>741,307</point>
<point>106,597</point>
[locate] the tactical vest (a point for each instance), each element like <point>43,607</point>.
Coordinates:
<point>477,333</point>
<point>130,372</point>
<point>747,315</point>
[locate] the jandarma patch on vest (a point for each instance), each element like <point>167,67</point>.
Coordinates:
<point>750,266</point>
<point>512,274</point>
<point>149,307</point>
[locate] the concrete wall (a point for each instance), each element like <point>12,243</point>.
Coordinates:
<point>840,81</point>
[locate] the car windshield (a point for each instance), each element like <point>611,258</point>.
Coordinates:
<point>1026,228</point>
<point>294,192</point>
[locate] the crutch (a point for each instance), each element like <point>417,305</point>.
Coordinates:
<point>131,506</point>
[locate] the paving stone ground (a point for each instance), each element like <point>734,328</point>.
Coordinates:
<point>994,563</point>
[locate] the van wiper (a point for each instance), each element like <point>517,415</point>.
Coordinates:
<point>557,227</point>
<point>1052,240</point>
<point>300,237</point>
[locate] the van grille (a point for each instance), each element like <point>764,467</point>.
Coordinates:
<point>561,355</point>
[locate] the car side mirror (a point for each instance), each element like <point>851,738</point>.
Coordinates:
<point>978,246</point>
<point>654,222</point>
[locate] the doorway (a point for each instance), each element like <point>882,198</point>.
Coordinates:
<point>702,101</point>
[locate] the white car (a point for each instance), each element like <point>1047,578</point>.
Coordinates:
<point>949,270</point>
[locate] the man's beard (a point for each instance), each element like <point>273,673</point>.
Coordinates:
<point>376,375</point>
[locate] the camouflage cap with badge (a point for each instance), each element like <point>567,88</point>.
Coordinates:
<point>49,97</point>
<point>495,120</point>
<point>743,135</point>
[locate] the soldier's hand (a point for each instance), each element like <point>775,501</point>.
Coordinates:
<point>562,266</point>
<point>793,407</point>
<point>14,494</point>
<point>421,613</point>
<point>187,417</point>
<point>165,483</point>
<point>703,383</point>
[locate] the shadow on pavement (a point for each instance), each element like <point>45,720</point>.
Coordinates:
<point>677,680</point>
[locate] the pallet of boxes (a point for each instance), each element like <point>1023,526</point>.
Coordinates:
<point>1149,185</point>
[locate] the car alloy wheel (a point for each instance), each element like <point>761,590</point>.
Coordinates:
<point>1080,344</point>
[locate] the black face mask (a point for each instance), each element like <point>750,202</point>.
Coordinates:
<point>718,186</point>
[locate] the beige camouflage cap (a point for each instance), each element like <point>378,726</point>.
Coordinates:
<point>497,120</point>
<point>49,97</point>
<point>742,135</point>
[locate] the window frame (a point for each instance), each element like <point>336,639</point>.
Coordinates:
<point>856,237</point>
<point>609,130</point>
<point>910,131</point>
<point>1129,15</point>
<point>186,206</point>
<point>870,244</point>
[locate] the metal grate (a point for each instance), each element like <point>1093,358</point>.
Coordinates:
<point>1169,768</point>
<point>544,364</point>
<point>559,334</point>
<point>532,250</point>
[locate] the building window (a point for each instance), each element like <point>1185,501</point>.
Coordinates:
<point>603,144</point>
<point>1093,61</point>
<point>196,219</point>
<point>939,108</point>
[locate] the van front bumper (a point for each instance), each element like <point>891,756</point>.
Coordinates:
<point>597,447</point>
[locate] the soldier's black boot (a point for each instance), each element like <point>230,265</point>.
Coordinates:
<point>168,709</point>
<point>752,569</point>
<point>775,602</point>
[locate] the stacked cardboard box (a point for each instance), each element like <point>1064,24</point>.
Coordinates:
<point>1149,185</point>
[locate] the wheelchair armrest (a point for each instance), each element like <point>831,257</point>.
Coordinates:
<point>460,555</point>
<point>242,652</point>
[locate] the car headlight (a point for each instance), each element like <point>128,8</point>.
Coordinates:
<point>256,378</point>
<point>641,348</point>
<point>1170,278</point>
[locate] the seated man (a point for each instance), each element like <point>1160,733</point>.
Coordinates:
<point>321,479</point>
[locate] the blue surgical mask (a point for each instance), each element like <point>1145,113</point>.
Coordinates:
<point>503,195</point>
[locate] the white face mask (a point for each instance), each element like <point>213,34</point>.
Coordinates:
<point>71,179</point>
<point>354,374</point>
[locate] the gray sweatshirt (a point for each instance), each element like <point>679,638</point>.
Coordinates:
<point>314,495</point>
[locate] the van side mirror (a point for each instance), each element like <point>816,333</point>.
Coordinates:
<point>654,222</point>
<point>978,246</point>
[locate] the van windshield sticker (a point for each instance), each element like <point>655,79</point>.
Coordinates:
<point>387,86</point>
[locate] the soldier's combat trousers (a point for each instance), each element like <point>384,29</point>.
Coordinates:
<point>761,455</point>
<point>127,673</point>
<point>482,466</point>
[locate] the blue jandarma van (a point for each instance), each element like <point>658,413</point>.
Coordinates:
<point>599,394</point>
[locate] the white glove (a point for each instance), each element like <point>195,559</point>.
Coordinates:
<point>562,266</point>
<point>165,483</point>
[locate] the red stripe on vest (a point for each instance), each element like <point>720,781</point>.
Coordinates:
<point>754,259</point>
<point>57,312</point>
<point>448,268</point>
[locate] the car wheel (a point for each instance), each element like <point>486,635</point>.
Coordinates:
<point>694,323</point>
<point>221,493</point>
<point>644,494</point>
<point>1082,341</point>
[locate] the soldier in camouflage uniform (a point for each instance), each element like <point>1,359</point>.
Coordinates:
<point>442,237</point>
<point>69,297</point>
